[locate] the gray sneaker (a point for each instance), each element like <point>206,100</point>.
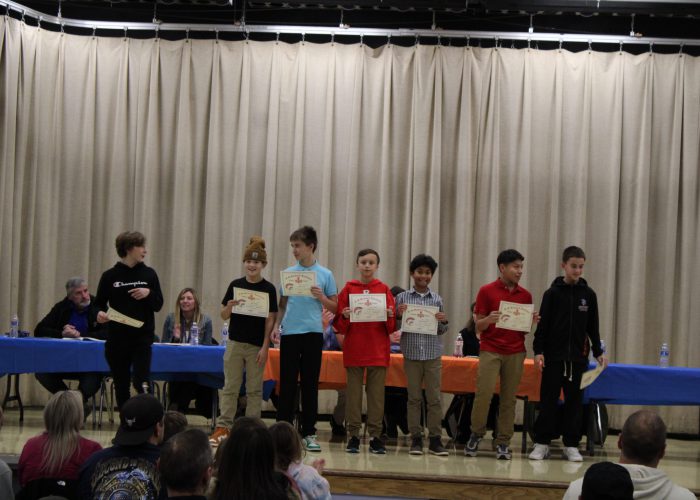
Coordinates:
<point>472,447</point>
<point>503,452</point>
<point>416,446</point>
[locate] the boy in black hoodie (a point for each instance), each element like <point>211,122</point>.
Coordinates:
<point>567,329</point>
<point>131,288</point>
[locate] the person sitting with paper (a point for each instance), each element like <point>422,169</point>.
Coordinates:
<point>72,318</point>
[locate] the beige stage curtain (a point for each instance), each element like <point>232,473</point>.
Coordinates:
<point>457,152</point>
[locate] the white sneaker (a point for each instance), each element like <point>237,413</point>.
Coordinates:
<point>539,452</point>
<point>572,454</point>
<point>311,443</point>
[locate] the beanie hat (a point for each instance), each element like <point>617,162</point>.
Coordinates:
<point>255,250</point>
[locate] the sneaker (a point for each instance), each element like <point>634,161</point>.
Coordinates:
<point>503,452</point>
<point>310,443</point>
<point>572,454</point>
<point>416,446</point>
<point>436,448</point>
<point>337,429</point>
<point>376,446</point>
<point>539,452</point>
<point>472,446</point>
<point>353,445</point>
<point>218,436</point>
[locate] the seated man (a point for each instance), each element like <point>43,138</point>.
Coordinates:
<point>129,468</point>
<point>185,465</point>
<point>73,317</point>
<point>642,444</point>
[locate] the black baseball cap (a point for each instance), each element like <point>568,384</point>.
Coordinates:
<point>139,417</point>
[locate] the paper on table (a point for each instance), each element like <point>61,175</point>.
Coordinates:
<point>115,315</point>
<point>590,376</point>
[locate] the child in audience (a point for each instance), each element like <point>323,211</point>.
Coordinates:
<point>288,458</point>
<point>366,348</point>
<point>423,358</point>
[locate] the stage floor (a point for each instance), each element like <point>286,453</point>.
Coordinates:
<point>682,461</point>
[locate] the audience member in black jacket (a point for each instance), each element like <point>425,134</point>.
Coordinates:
<point>132,289</point>
<point>73,317</point>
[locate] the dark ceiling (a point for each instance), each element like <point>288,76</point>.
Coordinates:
<point>647,19</point>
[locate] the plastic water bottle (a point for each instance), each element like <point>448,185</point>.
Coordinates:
<point>663,355</point>
<point>603,347</point>
<point>194,334</point>
<point>459,346</point>
<point>14,326</point>
<point>224,334</point>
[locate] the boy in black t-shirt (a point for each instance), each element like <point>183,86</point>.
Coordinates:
<point>249,337</point>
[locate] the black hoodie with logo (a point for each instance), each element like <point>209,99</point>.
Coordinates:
<point>568,327</point>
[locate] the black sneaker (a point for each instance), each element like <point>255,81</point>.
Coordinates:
<point>353,445</point>
<point>416,446</point>
<point>337,429</point>
<point>472,446</point>
<point>376,446</point>
<point>436,448</point>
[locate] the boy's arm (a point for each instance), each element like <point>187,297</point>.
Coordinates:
<point>483,318</point>
<point>261,358</point>
<point>442,319</point>
<point>594,332</point>
<point>281,310</point>
<point>391,316</point>
<point>340,322</point>
<point>539,341</point>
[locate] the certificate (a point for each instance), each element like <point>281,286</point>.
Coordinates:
<point>515,316</point>
<point>298,283</point>
<point>366,307</point>
<point>420,319</point>
<point>251,302</point>
<point>589,377</point>
<point>118,317</point>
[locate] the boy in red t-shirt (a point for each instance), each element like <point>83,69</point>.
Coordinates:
<point>502,354</point>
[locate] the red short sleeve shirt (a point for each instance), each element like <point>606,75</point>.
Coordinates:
<point>500,340</point>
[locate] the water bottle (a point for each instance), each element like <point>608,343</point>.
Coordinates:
<point>459,346</point>
<point>224,334</point>
<point>603,347</point>
<point>194,334</point>
<point>663,355</point>
<point>14,326</point>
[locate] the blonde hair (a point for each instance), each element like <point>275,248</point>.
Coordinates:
<point>197,316</point>
<point>63,416</point>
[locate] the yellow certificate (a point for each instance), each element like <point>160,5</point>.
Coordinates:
<point>251,302</point>
<point>589,377</point>
<point>420,319</point>
<point>118,317</point>
<point>298,283</point>
<point>365,307</point>
<point>515,316</point>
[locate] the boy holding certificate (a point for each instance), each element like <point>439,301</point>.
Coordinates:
<point>423,324</point>
<point>569,327</point>
<point>307,288</point>
<point>502,351</point>
<point>366,319</point>
<point>250,303</point>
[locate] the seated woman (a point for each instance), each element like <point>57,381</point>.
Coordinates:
<point>176,329</point>
<point>59,451</point>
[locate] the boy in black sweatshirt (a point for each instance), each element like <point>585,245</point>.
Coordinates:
<point>131,288</point>
<point>567,329</point>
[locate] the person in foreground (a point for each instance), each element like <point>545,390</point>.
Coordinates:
<point>128,469</point>
<point>607,481</point>
<point>185,465</point>
<point>642,444</point>
<point>59,451</point>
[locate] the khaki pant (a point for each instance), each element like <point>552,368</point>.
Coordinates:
<point>240,356</point>
<point>428,372</point>
<point>509,367</point>
<point>376,378</point>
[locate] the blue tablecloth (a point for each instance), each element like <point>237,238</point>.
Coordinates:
<point>646,385</point>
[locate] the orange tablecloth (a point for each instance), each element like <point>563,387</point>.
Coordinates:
<point>458,374</point>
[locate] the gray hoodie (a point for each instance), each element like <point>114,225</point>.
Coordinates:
<point>649,483</point>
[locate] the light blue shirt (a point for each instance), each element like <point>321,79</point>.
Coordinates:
<point>303,314</point>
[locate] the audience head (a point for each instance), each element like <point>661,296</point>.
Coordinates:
<point>607,481</point>
<point>255,250</point>
<point>63,417</point>
<point>185,463</point>
<point>247,466</point>
<point>141,421</point>
<point>643,439</point>
<point>395,290</point>
<point>287,441</point>
<point>306,235</point>
<point>174,422</point>
<point>77,292</point>
<point>127,240</point>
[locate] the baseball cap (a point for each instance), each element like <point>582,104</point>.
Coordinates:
<point>138,418</point>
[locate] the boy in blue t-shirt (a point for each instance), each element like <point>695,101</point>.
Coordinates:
<point>301,341</point>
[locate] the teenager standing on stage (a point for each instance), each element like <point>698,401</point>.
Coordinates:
<point>301,340</point>
<point>130,288</point>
